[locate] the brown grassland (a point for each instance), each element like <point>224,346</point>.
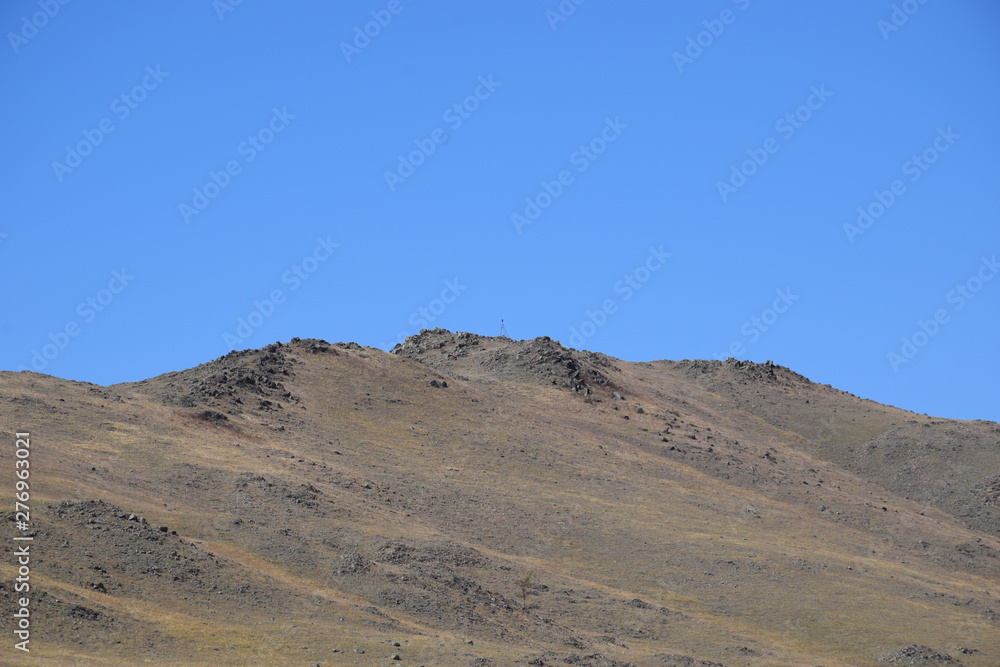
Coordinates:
<point>299,503</point>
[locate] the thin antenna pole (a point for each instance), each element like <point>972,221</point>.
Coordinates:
<point>503,330</point>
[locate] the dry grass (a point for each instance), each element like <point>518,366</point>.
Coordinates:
<point>392,510</point>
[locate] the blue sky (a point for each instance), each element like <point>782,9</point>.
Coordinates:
<point>811,183</point>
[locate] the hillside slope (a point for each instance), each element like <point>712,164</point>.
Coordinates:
<point>484,501</point>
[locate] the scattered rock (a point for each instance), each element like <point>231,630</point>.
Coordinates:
<point>677,660</point>
<point>541,360</point>
<point>212,416</point>
<point>918,654</point>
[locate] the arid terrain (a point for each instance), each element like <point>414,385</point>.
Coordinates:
<point>475,501</point>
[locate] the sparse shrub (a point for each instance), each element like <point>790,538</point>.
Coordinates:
<point>524,584</point>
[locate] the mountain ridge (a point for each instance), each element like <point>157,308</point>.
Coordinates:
<point>306,499</point>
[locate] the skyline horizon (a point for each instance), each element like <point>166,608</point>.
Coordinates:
<point>720,359</point>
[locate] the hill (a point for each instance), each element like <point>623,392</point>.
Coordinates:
<point>468,500</point>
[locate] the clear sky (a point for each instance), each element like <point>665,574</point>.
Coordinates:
<point>811,183</point>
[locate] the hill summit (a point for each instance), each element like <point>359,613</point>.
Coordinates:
<point>541,360</point>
